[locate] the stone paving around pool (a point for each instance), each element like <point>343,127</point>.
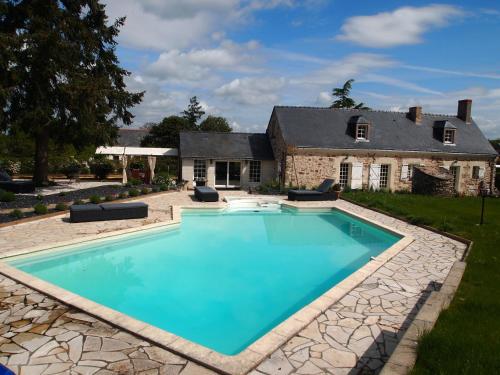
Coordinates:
<point>355,335</point>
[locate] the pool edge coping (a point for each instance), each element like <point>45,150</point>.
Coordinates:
<point>238,364</point>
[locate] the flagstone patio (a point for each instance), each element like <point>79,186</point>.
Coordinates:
<point>41,336</point>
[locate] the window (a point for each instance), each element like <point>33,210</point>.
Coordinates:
<point>384,176</point>
<point>255,171</point>
<point>475,172</point>
<point>362,132</point>
<point>200,170</point>
<point>449,136</point>
<point>344,175</point>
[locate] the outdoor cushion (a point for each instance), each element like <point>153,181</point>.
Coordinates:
<point>206,194</point>
<point>18,186</point>
<point>4,176</point>
<point>321,193</point>
<point>108,211</point>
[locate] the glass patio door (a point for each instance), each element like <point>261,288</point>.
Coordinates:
<point>227,174</point>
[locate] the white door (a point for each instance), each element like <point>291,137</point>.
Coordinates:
<point>357,176</point>
<point>374,180</point>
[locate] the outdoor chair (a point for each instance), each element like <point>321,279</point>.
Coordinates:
<point>107,211</point>
<point>206,194</point>
<point>7,184</point>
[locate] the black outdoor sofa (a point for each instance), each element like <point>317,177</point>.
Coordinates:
<point>206,194</point>
<point>7,184</point>
<point>107,211</point>
<point>322,193</point>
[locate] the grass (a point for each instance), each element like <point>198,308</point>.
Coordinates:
<point>466,338</point>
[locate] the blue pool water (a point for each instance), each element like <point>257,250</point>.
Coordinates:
<point>220,280</point>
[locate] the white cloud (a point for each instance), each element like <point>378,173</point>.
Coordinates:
<point>324,99</point>
<point>351,66</point>
<point>402,26</point>
<point>198,64</point>
<point>170,24</point>
<point>252,91</point>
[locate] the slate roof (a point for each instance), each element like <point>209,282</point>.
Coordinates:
<point>311,127</point>
<point>215,145</point>
<point>130,137</point>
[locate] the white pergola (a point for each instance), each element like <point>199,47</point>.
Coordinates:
<point>151,152</point>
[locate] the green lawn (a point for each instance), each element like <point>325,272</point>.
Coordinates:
<point>466,338</point>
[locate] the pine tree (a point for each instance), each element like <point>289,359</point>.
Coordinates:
<point>344,101</point>
<point>61,79</point>
<point>193,112</point>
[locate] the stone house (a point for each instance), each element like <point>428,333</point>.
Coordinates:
<point>362,149</point>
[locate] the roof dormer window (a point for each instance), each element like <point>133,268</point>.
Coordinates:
<point>359,128</point>
<point>445,131</point>
<point>449,136</point>
<point>362,132</point>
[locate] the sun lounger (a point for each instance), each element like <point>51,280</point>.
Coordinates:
<point>322,193</point>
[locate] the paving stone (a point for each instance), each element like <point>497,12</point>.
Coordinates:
<point>30,341</point>
<point>338,358</point>
<point>75,348</point>
<point>109,345</point>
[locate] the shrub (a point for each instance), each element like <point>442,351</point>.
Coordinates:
<point>162,178</point>
<point>39,197</point>
<point>95,199</point>
<point>122,195</point>
<point>133,193</point>
<point>145,190</point>
<point>78,202</point>
<point>84,170</point>
<point>71,169</point>
<point>156,189</point>
<point>101,168</point>
<point>7,196</point>
<point>16,214</point>
<point>163,187</point>
<point>109,198</point>
<point>137,164</point>
<point>133,182</point>
<point>336,187</point>
<point>61,207</point>
<point>40,209</point>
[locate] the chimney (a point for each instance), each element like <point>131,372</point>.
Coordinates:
<point>415,114</point>
<point>464,110</point>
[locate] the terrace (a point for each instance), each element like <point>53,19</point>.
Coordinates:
<point>357,328</point>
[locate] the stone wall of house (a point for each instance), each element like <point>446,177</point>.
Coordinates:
<point>432,181</point>
<point>310,167</point>
<point>279,148</point>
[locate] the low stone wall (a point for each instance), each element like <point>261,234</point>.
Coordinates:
<point>433,182</point>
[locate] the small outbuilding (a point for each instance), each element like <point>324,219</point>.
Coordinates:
<point>226,160</point>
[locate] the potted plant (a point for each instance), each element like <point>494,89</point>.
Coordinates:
<point>137,170</point>
<point>336,189</point>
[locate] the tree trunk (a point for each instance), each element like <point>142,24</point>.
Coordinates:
<point>40,177</point>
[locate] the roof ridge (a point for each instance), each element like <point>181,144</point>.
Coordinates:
<point>216,132</point>
<point>364,109</point>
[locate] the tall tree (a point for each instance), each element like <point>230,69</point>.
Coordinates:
<point>166,133</point>
<point>215,124</point>
<point>193,112</point>
<point>344,100</point>
<point>64,83</point>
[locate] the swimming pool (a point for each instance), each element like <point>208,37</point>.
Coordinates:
<point>221,280</point>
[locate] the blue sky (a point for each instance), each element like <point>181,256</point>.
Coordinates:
<point>242,57</point>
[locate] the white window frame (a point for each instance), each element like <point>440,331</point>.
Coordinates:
<point>411,168</point>
<point>362,132</point>
<point>384,176</point>
<point>199,170</point>
<point>449,136</point>
<point>344,175</point>
<point>255,171</point>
